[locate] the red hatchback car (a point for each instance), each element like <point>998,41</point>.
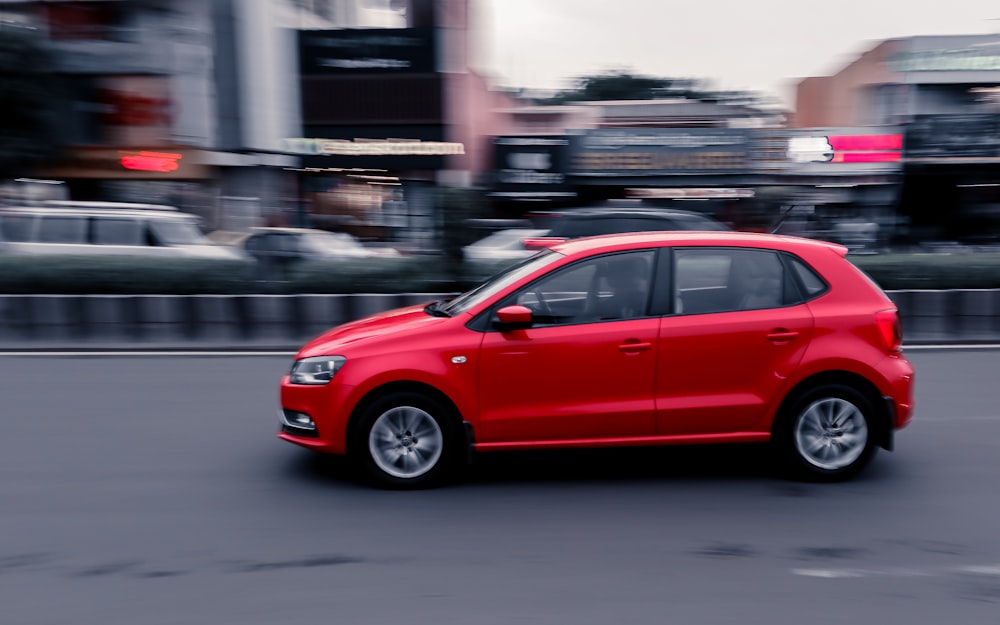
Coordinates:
<point>637,339</point>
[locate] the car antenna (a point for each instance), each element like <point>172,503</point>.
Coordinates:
<point>782,218</point>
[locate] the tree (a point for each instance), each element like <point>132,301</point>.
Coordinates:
<point>624,85</point>
<point>27,136</point>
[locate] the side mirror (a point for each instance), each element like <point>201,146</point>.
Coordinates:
<point>513,317</point>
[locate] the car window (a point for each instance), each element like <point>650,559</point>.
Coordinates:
<point>176,233</point>
<point>16,228</point>
<point>117,231</point>
<point>811,283</point>
<point>610,287</point>
<point>60,229</point>
<point>719,280</point>
<point>255,243</point>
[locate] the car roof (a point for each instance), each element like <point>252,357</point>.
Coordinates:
<point>594,212</point>
<point>290,230</point>
<point>620,208</point>
<point>147,211</point>
<point>615,242</point>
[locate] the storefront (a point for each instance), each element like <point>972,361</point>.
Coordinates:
<point>951,189</point>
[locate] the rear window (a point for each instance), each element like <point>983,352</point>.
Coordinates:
<point>59,229</point>
<point>809,280</point>
<point>112,231</point>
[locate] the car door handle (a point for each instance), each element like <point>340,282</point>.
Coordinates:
<point>780,335</point>
<point>631,347</point>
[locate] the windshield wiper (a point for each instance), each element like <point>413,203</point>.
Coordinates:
<point>435,309</point>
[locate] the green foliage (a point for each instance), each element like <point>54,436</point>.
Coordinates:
<point>27,105</point>
<point>932,271</point>
<point>413,274</point>
<point>97,275</point>
<point>623,85</point>
<point>84,275</point>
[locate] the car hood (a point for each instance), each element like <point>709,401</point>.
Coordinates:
<point>381,326</point>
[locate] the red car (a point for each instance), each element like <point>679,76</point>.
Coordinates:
<point>636,339</point>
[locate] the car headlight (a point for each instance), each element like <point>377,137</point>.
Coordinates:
<point>315,370</point>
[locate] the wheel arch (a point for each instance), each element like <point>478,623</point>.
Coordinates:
<point>405,386</point>
<point>884,417</point>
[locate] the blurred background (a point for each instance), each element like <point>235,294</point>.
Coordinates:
<point>366,118</point>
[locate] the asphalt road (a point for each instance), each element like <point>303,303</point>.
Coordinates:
<point>143,490</point>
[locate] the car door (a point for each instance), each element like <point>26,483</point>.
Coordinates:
<point>737,332</point>
<point>584,369</point>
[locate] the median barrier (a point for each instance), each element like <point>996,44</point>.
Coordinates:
<point>952,316</point>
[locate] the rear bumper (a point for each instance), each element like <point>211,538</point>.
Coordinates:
<point>899,376</point>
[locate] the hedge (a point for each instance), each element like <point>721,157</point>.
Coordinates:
<point>78,275</point>
<point>931,271</point>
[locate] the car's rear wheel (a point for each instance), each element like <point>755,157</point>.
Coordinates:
<point>406,440</point>
<point>826,433</point>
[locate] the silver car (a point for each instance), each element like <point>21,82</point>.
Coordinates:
<point>105,228</point>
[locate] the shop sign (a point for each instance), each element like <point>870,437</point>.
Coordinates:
<point>372,147</point>
<point>845,148</point>
<point>960,60</point>
<point>530,167</point>
<point>970,136</point>
<point>658,152</point>
<point>124,164</point>
<point>367,50</point>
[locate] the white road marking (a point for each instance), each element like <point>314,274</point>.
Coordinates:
<point>989,570</point>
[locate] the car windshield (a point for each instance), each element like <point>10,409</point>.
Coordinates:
<point>177,233</point>
<point>499,282</point>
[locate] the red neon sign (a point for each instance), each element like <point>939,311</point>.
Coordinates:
<point>161,162</point>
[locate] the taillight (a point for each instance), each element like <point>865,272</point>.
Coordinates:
<point>889,328</point>
<point>541,243</point>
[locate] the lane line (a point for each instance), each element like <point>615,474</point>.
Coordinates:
<point>988,570</point>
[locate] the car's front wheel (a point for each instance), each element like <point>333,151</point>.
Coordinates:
<point>826,433</point>
<point>406,440</point>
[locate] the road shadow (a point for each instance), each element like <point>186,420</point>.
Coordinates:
<point>624,464</point>
<point>700,464</point>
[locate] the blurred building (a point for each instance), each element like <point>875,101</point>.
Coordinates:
<point>943,93</point>
<point>693,154</point>
<point>388,116</point>
<point>184,102</point>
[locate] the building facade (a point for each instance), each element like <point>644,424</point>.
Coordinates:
<point>943,92</point>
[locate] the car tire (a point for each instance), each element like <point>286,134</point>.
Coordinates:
<point>827,433</point>
<point>406,440</point>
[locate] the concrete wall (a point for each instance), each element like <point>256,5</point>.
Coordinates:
<point>286,321</point>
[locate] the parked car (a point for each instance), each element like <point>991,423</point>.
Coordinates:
<point>105,228</point>
<point>635,339</point>
<point>502,245</point>
<point>613,217</point>
<point>307,243</point>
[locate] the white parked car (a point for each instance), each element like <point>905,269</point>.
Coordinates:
<point>502,245</point>
<point>105,228</point>
<point>307,244</point>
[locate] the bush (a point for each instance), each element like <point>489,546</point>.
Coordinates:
<point>99,275</point>
<point>408,274</point>
<point>932,271</point>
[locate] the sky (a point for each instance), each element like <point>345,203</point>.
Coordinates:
<point>764,45</point>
